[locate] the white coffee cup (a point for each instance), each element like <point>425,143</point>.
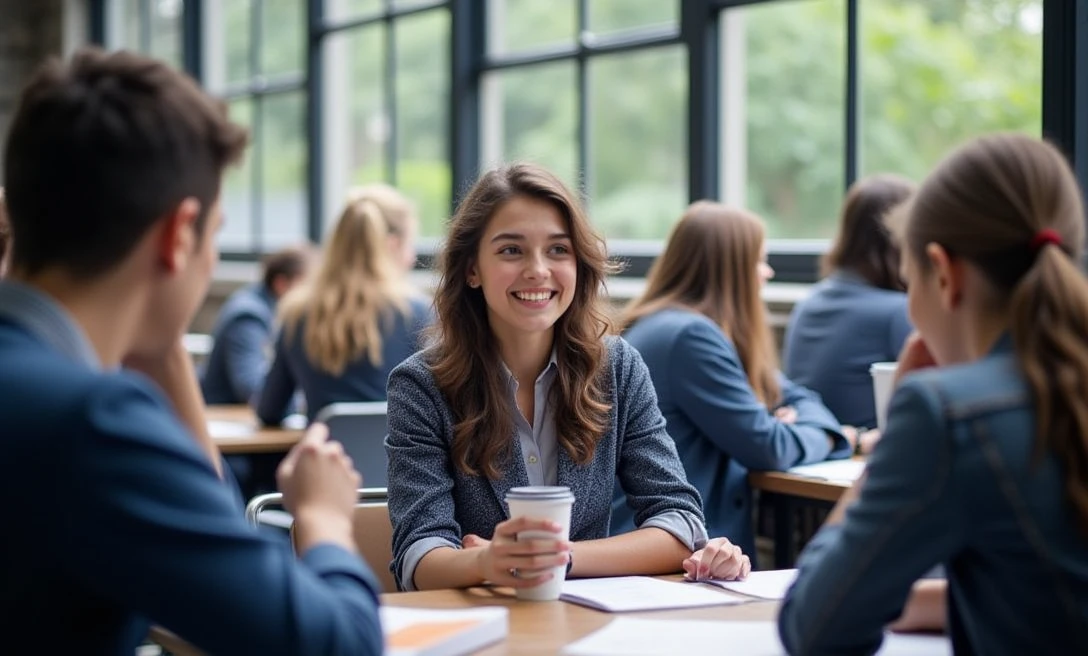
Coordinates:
<point>552,503</point>
<point>883,374</point>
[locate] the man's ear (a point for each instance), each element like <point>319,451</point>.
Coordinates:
<point>179,236</point>
<point>950,275</point>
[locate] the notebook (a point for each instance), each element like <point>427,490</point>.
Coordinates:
<point>627,636</point>
<point>769,584</point>
<point>836,471</point>
<point>431,632</point>
<point>629,593</point>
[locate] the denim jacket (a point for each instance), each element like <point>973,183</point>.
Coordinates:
<point>952,482</point>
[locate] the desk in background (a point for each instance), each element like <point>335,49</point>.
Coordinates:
<point>788,494</point>
<point>235,429</point>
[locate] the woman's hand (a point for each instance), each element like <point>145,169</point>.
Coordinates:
<point>915,355</point>
<point>505,560</point>
<point>719,559</point>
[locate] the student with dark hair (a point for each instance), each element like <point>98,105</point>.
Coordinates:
<point>243,330</point>
<point>701,327</point>
<point>122,518</point>
<point>983,466</point>
<point>857,314</point>
<point>345,330</point>
<point>522,387</point>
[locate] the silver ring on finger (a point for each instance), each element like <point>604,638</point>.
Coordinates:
<point>514,572</point>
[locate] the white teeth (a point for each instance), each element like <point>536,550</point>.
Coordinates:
<point>533,296</point>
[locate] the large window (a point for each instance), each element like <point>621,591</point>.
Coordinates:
<point>595,90</point>
<point>254,57</point>
<point>641,105</point>
<point>149,26</point>
<point>385,109</point>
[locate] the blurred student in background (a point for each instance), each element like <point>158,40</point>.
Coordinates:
<point>344,329</point>
<point>983,465</point>
<point>857,314</point>
<point>118,502</point>
<point>701,327</point>
<point>522,387</point>
<point>242,335</point>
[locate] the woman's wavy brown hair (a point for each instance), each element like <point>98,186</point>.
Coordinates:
<point>465,356</point>
<point>358,289</point>
<point>711,266</point>
<point>986,203</point>
<point>864,244</point>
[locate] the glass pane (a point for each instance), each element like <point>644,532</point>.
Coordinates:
<point>283,30</point>
<point>235,25</point>
<point>357,125</point>
<point>166,30</point>
<point>283,170</point>
<point>410,4</point>
<point>237,195</point>
<point>787,83</point>
<point>934,74</point>
<point>422,102</point>
<point>617,15</point>
<point>638,182</point>
<point>338,10</point>
<point>125,24</point>
<point>518,25</point>
<point>531,114</point>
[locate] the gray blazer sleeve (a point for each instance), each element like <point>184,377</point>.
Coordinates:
<point>421,503</point>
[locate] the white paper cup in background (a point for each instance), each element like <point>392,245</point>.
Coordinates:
<point>883,374</point>
<point>552,503</point>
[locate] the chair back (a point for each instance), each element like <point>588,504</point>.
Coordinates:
<point>361,428</point>
<point>372,528</point>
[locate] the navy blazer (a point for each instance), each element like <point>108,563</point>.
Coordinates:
<point>116,520</point>
<point>429,498</point>
<point>833,336</point>
<point>360,381</point>
<point>243,340</point>
<point>954,480</point>
<point>720,427</point>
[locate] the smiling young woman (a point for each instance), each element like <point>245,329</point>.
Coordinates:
<point>523,386</point>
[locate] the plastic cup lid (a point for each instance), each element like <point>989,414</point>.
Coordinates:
<point>540,493</point>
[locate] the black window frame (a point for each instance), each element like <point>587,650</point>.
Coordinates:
<point>1064,101</point>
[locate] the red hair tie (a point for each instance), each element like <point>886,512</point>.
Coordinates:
<point>1044,237</point>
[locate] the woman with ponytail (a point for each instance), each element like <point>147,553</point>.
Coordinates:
<point>984,464</point>
<point>346,328</point>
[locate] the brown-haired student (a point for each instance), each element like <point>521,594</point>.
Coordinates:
<point>118,516</point>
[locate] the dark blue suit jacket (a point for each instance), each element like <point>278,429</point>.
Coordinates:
<point>243,339</point>
<point>720,427</point>
<point>114,520</point>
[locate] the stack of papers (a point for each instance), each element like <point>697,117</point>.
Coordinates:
<point>837,471</point>
<point>425,632</point>
<point>631,636</point>
<point>629,593</point>
<point>766,585</point>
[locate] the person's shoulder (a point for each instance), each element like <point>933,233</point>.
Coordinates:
<point>416,367</point>
<point>670,324</point>
<point>990,384</point>
<point>247,302</point>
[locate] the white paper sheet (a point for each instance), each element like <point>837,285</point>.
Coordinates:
<point>627,593</point>
<point>842,471</point>
<point>770,584</point>
<point>219,428</point>
<point>633,636</point>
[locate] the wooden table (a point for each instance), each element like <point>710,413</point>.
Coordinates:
<point>235,418</point>
<point>536,627</point>
<point>788,493</point>
<point>545,627</point>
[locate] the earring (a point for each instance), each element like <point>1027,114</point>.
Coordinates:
<point>473,284</point>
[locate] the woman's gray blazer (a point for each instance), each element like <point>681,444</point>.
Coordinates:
<point>429,500</point>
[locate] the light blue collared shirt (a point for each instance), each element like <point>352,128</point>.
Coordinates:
<point>44,318</point>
